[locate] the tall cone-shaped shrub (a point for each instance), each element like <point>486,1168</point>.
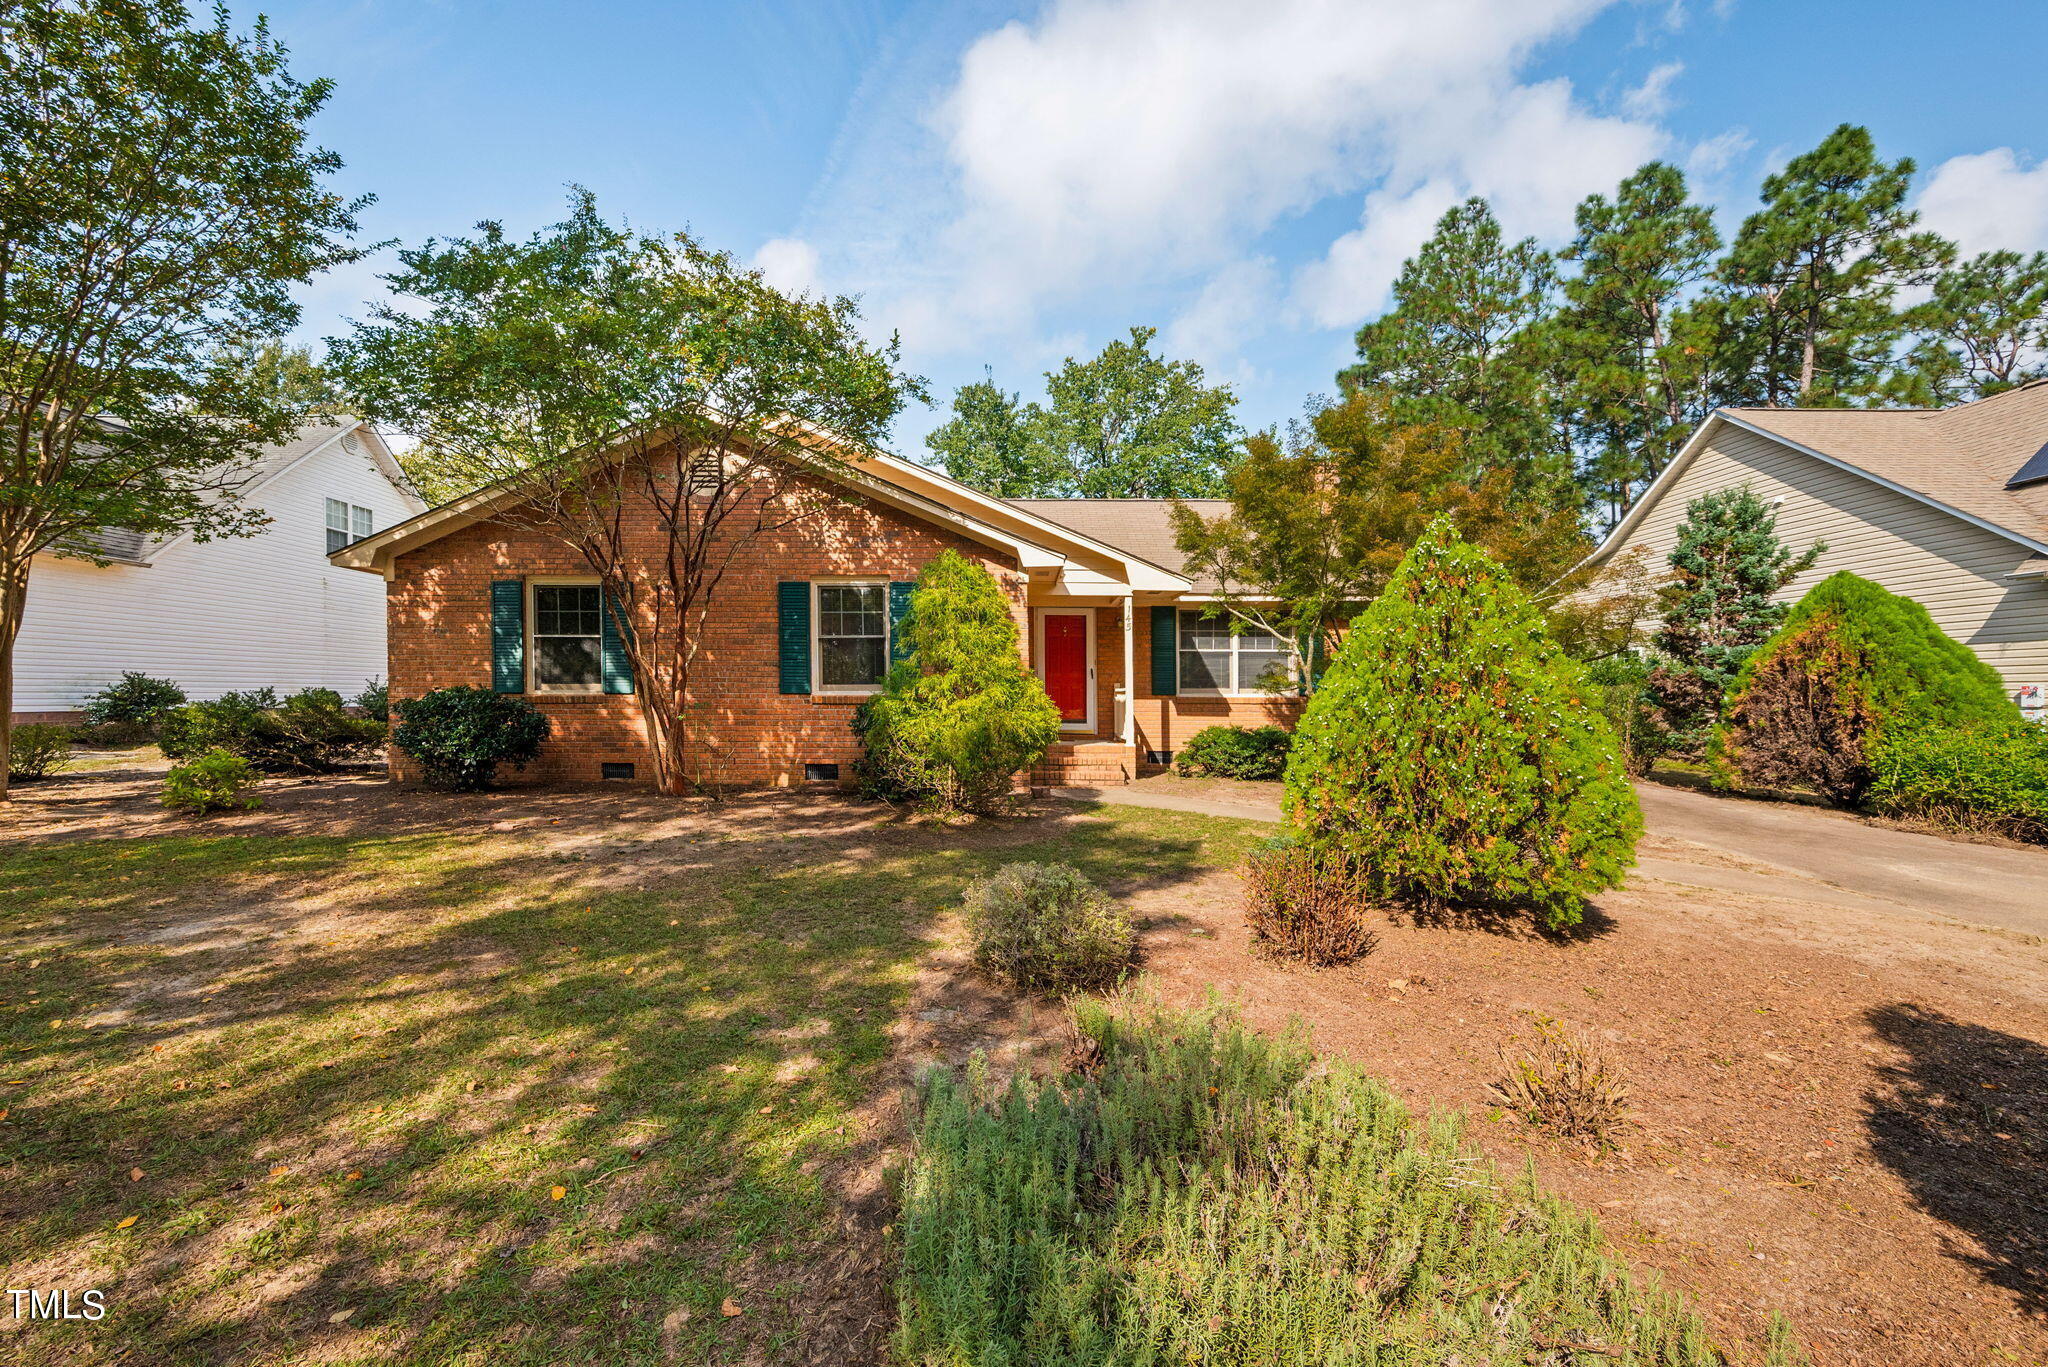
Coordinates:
<point>1852,663</point>
<point>960,715</point>
<point>1454,756</point>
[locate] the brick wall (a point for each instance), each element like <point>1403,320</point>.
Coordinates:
<point>743,730</point>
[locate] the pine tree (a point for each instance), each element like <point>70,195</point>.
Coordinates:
<point>1809,286</point>
<point>1727,566</point>
<point>1454,757</point>
<point>1461,346</point>
<point>1984,331</point>
<point>1635,361</point>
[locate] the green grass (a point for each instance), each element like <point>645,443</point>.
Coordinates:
<point>428,1034</point>
<point>1207,1195</point>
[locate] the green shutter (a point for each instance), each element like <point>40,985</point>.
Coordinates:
<point>1165,652</point>
<point>615,632</point>
<point>899,608</point>
<point>508,636</point>
<point>793,634</point>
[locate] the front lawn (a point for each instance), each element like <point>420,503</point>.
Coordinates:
<point>460,1096</point>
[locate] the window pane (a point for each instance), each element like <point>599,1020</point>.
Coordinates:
<point>851,660</point>
<point>851,610</point>
<point>335,540</point>
<point>1204,671</point>
<point>359,523</point>
<point>563,661</point>
<point>566,609</point>
<point>337,515</point>
<point>1261,670</point>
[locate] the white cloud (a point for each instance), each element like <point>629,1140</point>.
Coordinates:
<point>1237,304</point>
<point>1652,98</point>
<point>1531,151</point>
<point>790,264</point>
<point>1987,200</point>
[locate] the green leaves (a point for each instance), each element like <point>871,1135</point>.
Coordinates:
<point>1453,757</point>
<point>1125,424</point>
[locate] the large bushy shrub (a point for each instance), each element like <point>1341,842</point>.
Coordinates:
<point>310,732</point>
<point>1206,1194</point>
<point>461,735</point>
<point>1045,927</point>
<point>135,700</point>
<point>213,782</point>
<point>38,750</point>
<point>1852,664</point>
<point>1454,756</point>
<point>1986,779</point>
<point>1258,753</point>
<point>959,715</point>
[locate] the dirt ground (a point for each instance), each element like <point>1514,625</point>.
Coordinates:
<point>1839,1114</point>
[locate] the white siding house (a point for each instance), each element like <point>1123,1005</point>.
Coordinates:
<point>1948,507</point>
<point>232,613</point>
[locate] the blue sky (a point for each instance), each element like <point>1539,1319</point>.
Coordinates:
<point>1007,184</point>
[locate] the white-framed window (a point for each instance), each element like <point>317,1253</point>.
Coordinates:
<point>850,634</point>
<point>565,636</point>
<point>346,522</point>
<point>1212,660</point>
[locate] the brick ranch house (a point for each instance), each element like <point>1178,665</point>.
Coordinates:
<point>799,631</point>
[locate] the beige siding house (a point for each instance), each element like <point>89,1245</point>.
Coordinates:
<point>1945,506</point>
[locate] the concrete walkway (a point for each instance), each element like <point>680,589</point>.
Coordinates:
<point>1785,850</point>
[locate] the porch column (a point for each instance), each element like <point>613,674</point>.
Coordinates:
<point>1130,718</point>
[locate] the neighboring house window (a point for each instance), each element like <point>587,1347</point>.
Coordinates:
<point>1214,661</point>
<point>568,626</point>
<point>853,636</point>
<point>346,522</point>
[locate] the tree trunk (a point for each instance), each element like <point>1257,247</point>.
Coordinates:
<point>668,733</point>
<point>13,599</point>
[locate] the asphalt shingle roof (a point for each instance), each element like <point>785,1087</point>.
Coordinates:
<point>1136,526</point>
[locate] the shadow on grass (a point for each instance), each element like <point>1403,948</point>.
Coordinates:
<point>430,1034</point>
<point>1963,1120</point>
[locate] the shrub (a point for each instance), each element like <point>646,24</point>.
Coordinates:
<point>37,751</point>
<point>1453,757</point>
<point>461,735</point>
<point>374,701</point>
<point>1852,663</point>
<point>136,700</point>
<point>1206,1194</point>
<point>309,732</point>
<point>1562,1085</point>
<point>1979,779</point>
<point>214,782</point>
<point>1621,691</point>
<point>1303,907</point>
<point>1258,753</point>
<point>1045,927</point>
<point>959,715</point>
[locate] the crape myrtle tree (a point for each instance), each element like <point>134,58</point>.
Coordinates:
<point>646,401</point>
<point>1126,423</point>
<point>1717,606</point>
<point>1320,517</point>
<point>158,200</point>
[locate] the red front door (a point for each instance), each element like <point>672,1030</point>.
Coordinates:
<point>1066,663</point>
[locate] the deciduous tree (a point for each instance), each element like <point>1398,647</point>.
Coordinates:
<point>158,200</point>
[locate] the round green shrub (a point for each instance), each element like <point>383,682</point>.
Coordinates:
<point>1255,753</point>
<point>1454,757</point>
<point>1852,663</point>
<point>36,750</point>
<point>135,700</point>
<point>461,735</point>
<point>959,715</point>
<point>1045,927</point>
<point>214,782</point>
